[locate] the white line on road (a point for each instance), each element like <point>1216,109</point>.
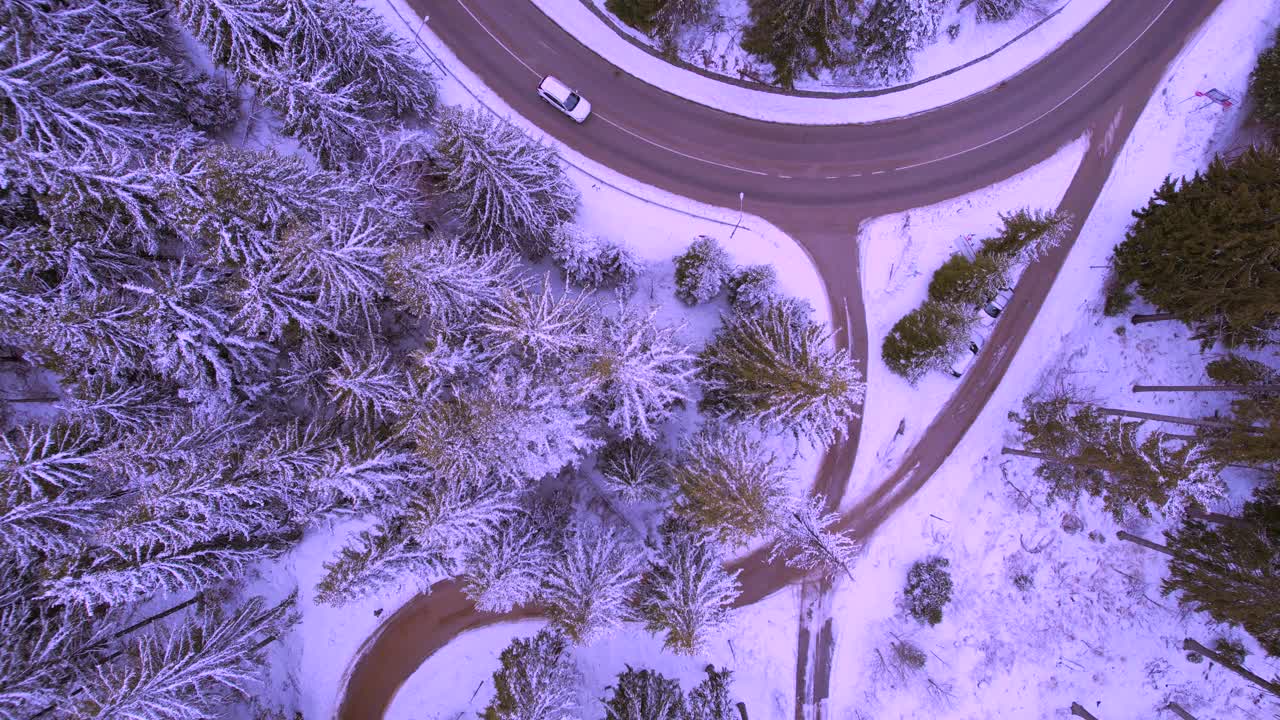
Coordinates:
<point>1053,109</point>
<point>495,39</point>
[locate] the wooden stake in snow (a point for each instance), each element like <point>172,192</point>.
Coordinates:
<point>1192,646</point>
<point>1140,318</point>
<point>1078,710</point>
<point>1122,535</point>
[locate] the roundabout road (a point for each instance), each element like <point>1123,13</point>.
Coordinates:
<point>816,183</point>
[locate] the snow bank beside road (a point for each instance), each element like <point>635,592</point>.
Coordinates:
<point>579,21</point>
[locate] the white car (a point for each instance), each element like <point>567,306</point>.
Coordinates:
<point>565,100</point>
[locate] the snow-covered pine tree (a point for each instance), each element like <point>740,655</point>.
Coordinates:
<point>103,405</point>
<point>240,34</point>
<point>752,288</point>
<point>320,110</point>
<point>48,460</point>
<point>424,542</point>
<point>535,325</point>
<point>807,541</point>
<point>358,473</point>
<point>273,302</point>
<point>890,32</point>
<point>506,569</point>
<point>446,283</point>
<point>634,470</point>
<point>798,36</point>
<point>36,528</point>
<point>644,695</point>
<point>701,270</point>
<point>730,483</point>
<point>192,339</point>
<point>637,371</point>
<point>341,261</point>
<point>591,262</point>
<point>510,426</point>
<point>709,699</point>
<point>367,389</point>
<point>780,369</point>
<point>537,681</point>
<point>686,591</point>
<point>507,189</point>
<point>589,582</point>
<point>674,16</point>
<point>187,672</point>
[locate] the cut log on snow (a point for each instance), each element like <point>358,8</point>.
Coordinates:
<point>1130,537</point>
<point>1192,646</point>
<point>1206,388</point>
<point>1053,458</point>
<point>1176,420</point>
<point>1219,518</point>
<point>1078,710</point>
<point>1140,318</point>
<point>1176,709</point>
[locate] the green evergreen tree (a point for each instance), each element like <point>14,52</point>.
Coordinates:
<point>1204,249</point>
<point>1232,570</point>
<point>798,36</point>
<point>1083,451</point>
<point>928,589</point>
<point>780,369</point>
<point>730,483</point>
<point>644,695</point>
<point>709,699</point>
<point>686,591</point>
<point>925,339</point>
<point>1264,85</point>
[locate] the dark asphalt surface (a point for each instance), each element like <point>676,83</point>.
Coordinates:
<point>1099,81</point>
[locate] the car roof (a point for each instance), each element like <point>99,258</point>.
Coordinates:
<point>555,88</point>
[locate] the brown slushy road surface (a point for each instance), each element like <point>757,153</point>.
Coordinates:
<point>816,183</point>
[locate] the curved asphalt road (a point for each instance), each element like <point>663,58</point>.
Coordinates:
<point>816,183</point>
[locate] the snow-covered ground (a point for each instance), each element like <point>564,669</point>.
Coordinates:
<point>1094,629</point>
<point>900,252</point>
<point>974,41</point>
<point>759,647</point>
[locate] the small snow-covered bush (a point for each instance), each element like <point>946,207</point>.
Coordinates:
<point>212,104</point>
<point>634,469</point>
<point>928,589</point>
<point>590,261</point>
<point>701,271</point>
<point>753,287</point>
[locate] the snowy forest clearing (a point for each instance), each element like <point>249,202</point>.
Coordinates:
<point>899,254</point>
<point>587,27</point>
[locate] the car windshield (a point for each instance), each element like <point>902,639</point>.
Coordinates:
<point>571,102</point>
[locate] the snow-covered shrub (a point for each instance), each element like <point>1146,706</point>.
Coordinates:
<point>644,695</point>
<point>634,470</point>
<point>212,104</point>
<point>928,589</point>
<point>1002,10</point>
<point>753,287</point>
<point>591,262</point>
<point>701,271</point>
<point>537,679</point>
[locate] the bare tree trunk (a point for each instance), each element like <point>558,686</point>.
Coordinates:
<point>1140,318</point>
<point>1130,537</point>
<point>1051,458</point>
<point>1193,646</point>
<point>1196,422</point>
<point>1219,518</point>
<point>1176,709</point>
<point>1206,388</point>
<point>1078,710</point>
<point>32,399</point>
<point>742,710</point>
